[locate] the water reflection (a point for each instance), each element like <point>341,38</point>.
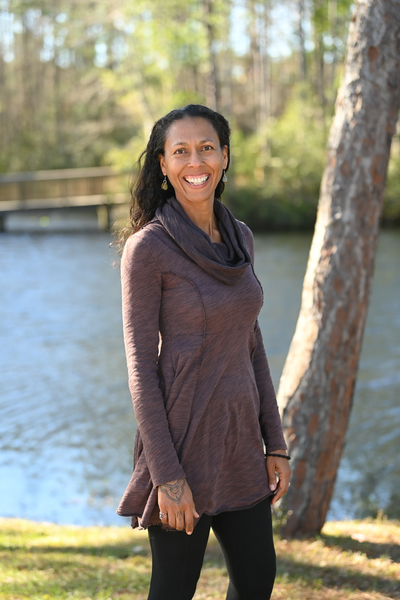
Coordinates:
<point>66,421</point>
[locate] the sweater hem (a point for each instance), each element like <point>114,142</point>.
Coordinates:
<point>135,517</point>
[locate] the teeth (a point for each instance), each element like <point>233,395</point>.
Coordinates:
<point>197,180</point>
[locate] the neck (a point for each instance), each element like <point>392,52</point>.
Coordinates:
<point>202,214</point>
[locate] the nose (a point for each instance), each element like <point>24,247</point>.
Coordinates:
<point>195,159</point>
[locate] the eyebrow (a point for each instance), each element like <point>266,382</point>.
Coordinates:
<point>202,142</point>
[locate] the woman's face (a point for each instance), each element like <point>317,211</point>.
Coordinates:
<point>193,160</point>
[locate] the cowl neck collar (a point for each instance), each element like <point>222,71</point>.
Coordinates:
<point>198,246</point>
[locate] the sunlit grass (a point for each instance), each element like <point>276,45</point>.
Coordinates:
<point>40,561</point>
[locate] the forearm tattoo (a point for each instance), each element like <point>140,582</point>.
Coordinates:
<point>174,490</point>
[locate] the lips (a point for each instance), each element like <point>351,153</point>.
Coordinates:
<point>196,180</point>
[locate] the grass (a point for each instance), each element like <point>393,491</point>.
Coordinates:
<point>355,560</point>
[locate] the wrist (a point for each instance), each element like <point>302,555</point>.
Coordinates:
<point>278,454</point>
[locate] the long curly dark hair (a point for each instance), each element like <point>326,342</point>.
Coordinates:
<point>146,192</point>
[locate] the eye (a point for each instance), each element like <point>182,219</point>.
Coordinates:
<point>208,147</point>
<point>179,151</point>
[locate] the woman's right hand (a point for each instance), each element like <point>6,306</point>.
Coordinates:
<point>176,501</point>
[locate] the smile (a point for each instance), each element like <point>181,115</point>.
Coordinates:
<point>196,180</point>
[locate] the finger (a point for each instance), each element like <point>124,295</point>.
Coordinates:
<point>180,521</point>
<point>274,499</point>
<point>196,514</point>
<point>284,483</point>
<point>271,476</point>
<point>171,519</point>
<point>277,496</point>
<point>163,514</point>
<point>284,477</point>
<point>189,521</point>
<point>281,491</point>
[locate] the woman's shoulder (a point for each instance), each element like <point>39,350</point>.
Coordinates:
<point>146,235</point>
<point>245,228</point>
<point>142,242</point>
<point>247,234</point>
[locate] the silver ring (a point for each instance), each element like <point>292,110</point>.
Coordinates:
<point>163,515</point>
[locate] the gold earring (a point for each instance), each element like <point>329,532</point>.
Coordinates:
<point>224,178</point>
<point>164,185</point>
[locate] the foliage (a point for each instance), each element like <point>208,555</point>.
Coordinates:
<point>277,185</point>
<point>81,85</point>
<point>354,560</point>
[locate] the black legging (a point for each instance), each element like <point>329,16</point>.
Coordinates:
<point>245,537</point>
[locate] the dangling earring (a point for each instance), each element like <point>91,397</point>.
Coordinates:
<point>164,185</point>
<point>224,178</point>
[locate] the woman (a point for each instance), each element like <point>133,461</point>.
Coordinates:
<point>198,374</point>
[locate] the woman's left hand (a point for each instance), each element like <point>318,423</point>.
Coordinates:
<point>278,466</point>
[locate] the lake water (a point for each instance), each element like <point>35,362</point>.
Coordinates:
<point>66,419</point>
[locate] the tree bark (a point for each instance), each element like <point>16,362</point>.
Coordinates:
<point>317,384</point>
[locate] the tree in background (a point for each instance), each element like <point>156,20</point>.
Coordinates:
<point>317,384</point>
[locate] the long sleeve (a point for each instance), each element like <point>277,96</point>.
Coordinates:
<point>270,421</point>
<point>141,281</point>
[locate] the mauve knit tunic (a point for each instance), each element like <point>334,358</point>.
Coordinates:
<point>198,374</point>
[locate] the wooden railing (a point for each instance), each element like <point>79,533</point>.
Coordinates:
<point>63,188</point>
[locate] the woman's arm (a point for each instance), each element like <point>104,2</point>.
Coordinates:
<point>141,281</point>
<point>141,300</point>
<point>270,421</point>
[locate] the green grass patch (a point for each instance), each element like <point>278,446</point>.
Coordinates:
<point>357,560</point>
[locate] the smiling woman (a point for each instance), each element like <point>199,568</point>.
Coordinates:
<point>198,373</point>
<point>195,163</point>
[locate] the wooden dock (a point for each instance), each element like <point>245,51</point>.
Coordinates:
<point>62,195</point>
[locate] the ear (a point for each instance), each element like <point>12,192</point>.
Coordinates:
<point>162,164</point>
<point>224,151</point>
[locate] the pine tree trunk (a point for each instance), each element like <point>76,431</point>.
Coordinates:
<point>316,389</point>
